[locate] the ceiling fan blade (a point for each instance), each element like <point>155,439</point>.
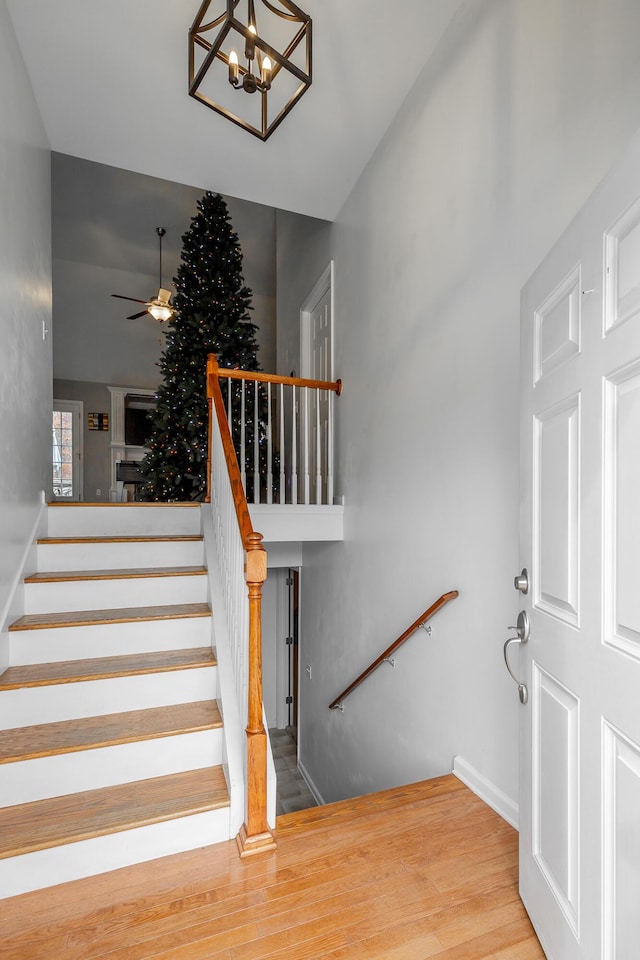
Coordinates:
<point>136,315</point>
<point>134,299</point>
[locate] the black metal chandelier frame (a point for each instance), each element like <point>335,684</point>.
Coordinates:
<point>256,47</point>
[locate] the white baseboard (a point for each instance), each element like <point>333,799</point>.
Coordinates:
<point>317,796</point>
<point>487,791</point>
<point>12,608</point>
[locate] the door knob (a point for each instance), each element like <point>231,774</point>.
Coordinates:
<point>522,629</point>
<point>521,582</point>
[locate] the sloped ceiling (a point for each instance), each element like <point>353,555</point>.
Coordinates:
<point>110,79</point>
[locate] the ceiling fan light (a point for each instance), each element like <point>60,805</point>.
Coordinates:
<point>160,311</point>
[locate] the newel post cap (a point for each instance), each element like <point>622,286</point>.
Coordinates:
<point>256,559</point>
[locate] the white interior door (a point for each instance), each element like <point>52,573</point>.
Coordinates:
<point>316,362</point>
<point>67,448</point>
<point>580,540</point>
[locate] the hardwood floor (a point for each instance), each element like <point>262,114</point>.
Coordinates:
<point>420,871</point>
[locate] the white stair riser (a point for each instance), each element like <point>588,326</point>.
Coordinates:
<point>44,868</point>
<point>90,698</point>
<point>109,640</point>
<point>112,594</point>
<point>122,521</point>
<point>65,773</point>
<point>119,555</point>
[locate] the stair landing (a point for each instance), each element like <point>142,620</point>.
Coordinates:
<point>426,870</point>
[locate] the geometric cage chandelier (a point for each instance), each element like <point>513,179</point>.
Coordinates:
<point>250,65</point>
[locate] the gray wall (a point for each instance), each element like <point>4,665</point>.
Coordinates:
<point>25,283</point>
<point>104,242</point>
<point>515,119</point>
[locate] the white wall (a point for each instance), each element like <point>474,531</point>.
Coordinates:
<point>511,124</point>
<point>25,303</point>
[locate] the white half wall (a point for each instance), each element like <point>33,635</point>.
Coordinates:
<point>25,310</point>
<point>512,123</point>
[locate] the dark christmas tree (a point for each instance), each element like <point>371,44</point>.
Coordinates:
<point>212,305</point>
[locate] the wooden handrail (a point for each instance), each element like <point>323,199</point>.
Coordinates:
<point>233,374</point>
<point>422,619</point>
<point>254,835</point>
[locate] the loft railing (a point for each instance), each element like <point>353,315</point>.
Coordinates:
<point>337,704</point>
<point>283,433</point>
<point>243,562</point>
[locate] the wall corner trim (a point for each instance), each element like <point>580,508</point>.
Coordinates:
<point>487,791</point>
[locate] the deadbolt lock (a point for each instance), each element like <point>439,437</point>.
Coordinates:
<point>521,582</point>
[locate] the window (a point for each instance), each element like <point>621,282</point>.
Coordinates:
<point>63,454</point>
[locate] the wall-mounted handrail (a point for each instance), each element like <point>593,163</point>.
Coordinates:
<point>247,560</point>
<point>422,619</point>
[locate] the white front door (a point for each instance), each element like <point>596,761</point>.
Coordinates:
<point>316,363</point>
<point>67,447</point>
<point>580,541</point>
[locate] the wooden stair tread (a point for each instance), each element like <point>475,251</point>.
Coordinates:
<point>64,576</point>
<point>125,504</point>
<point>102,668</point>
<point>341,811</point>
<point>84,618</point>
<point>93,813</point>
<point>177,538</point>
<point>87,733</point>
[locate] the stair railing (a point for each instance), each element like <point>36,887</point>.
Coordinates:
<point>243,562</point>
<point>283,430</point>
<point>338,703</point>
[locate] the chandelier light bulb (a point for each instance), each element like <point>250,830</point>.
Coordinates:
<point>233,67</point>
<point>266,72</point>
<point>250,48</point>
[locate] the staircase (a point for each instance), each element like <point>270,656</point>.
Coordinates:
<point>111,739</point>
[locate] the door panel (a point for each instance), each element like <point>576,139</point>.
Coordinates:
<point>557,326</point>
<point>556,813</point>
<point>556,509</point>
<point>621,514</point>
<point>621,834</point>
<point>580,537</point>
<point>622,284</point>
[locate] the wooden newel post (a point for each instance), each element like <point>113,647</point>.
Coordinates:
<point>212,371</point>
<point>255,836</point>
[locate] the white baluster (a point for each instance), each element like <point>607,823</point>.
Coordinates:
<point>318,451</point>
<point>256,445</point>
<point>283,490</point>
<point>269,449</point>
<point>305,435</point>
<point>243,466</point>
<point>294,448</point>
<point>330,449</point>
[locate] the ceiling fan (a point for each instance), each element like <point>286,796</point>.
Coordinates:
<point>160,308</point>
